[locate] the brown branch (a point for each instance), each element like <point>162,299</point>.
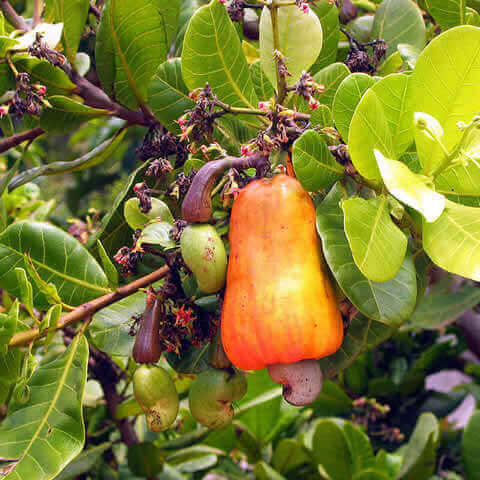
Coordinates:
<point>37,12</point>
<point>87,309</point>
<point>17,139</point>
<point>12,16</point>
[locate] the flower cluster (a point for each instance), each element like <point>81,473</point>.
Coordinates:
<point>144,194</point>
<point>198,122</point>
<point>159,146</point>
<point>306,87</point>
<point>235,10</point>
<point>28,98</point>
<point>40,49</point>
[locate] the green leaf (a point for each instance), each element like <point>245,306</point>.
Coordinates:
<point>329,444</point>
<point>47,432</point>
<point>98,155</point>
<point>132,41</point>
<point>109,268</point>
<point>440,307</point>
<point>378,245</point>
<point>410,188</point>
<point>315,167</point>
<point>362,335</point>
<point>263,471</point>
<point>8,325</point>
<point>73,14</point>
<point>447,13</point>
<point>6,43</point>
<point>328,16</point>
<point>322,117</point>
<point>58,258</point>
<point>47,289</point>
<point>399,21</point>
<point>191,360</point>
<point>371,474</point>
<point>419,458</point>
<point>25,290</point>
<point>168,95</point>
<point>347,97</point>
<point>114,232</point>
<point>300,41</point>
<point>137,219</point>
<point>388,462</point>
<point>263,87</point>
<point>84,463</point>
<point>392,92</point>
<point>453,240</point>
<point>471,437</point>
<point>157,233</point>
<point>332,400</point>
<point>330,77</point>
<point>369,130</point>
<point>145,459</point>
<point>445,86</point>
<point>66,115</point>
<point>189,7</point>
<point>55,79</point>
<point>360,449</point>
<point>462,175</point>
<point>388,302</point>
<point>289,455</point>
<point>212,53</point>
<point>110,327</point>
<point>195,458</point>
<point>50,321</point>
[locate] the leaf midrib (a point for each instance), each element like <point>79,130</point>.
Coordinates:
<point>53,403</point>
<point>87,285</point>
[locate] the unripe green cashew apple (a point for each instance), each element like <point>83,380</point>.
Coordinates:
<point>204,254</point>
<point>157,396</point>
<point>211,396</point>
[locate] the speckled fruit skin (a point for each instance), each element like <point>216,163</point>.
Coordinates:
<point>279,305</point>
<point>157,396</point>
<point>211,396</point>
<point>204,253</point>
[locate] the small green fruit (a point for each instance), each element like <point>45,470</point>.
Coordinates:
<point>137,219</point>
<point>155,392</point>
<point>204,254</point>
<point>211,396</point>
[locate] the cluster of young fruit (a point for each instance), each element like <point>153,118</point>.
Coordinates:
<point>279,308</point>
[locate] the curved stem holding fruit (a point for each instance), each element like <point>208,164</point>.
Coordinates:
<point>302,381</point>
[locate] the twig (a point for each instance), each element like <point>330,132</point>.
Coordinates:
<point>12,16</point>
<point>90,308</point>
<point>17,139</point>
<point>37,12</point>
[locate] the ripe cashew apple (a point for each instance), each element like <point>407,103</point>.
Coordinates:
<point>204,254</point>
<point>157,396</point>
<point>279,306</point>
<point>211,396</point>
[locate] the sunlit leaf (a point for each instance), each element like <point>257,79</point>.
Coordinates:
<point>453,240</point>
<point>300,40</point>
<point>47,432</point>
<point>261,83</point>
<point>444,84</point>
<point>315,167</point>
<point>330,77</point>
<point>347,97</point>
<point>410,188</point>
<point>157,233</point>
<point>378,245</point>
<point>369,130</point>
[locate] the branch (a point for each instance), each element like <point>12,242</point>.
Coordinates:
<point>12,16</point>
<point>87,309</point>
<point>17,139</point>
